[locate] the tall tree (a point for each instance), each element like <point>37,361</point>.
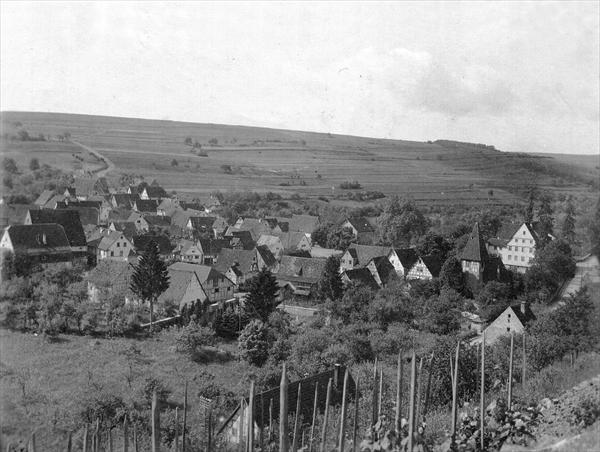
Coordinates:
<point>261,299</point>
<point>150,277</point>
<point>546,218</point>
<point>568,226</point>
<point>331,286</point>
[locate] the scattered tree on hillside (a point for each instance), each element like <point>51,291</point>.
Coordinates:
<point>150,277</point>
<point>330,286</point>
<point>261,299</point>
<point>568,226</point>
<point>10,166</point>
<point>401,223</point>
<point>34,164</point>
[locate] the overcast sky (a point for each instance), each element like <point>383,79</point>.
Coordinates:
<point>521,76</point>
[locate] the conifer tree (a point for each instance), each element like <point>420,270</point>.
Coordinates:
<point>150,277</point>
<point>261,299</point>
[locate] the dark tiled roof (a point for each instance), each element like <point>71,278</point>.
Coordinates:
<point>361,224</point>
<point>146,205</point>
<point>68,219</point>
<point>307,396</point>
<point>475,249</point>
<point>39,236</point>
<point>361,276</point>
<point>304,269</point>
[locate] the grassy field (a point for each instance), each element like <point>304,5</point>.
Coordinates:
<point>288,162</point>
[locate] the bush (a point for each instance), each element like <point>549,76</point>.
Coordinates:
<point>192,337</point>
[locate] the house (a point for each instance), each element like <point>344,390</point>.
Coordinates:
<point>360,255</point>
<point>426,268</point>
<point>361,229</point>
<point>234,429</point>
<point>216,285</point>
<point>361,276</point>
<point>515,244</point>
<point>69,220</point>
<point>184,289</point>
<point>114,246</point>
<point>145,206</point>
<point>512,320</point>
<point>381,269</point>
<point>85,187</point>
<point>37,244</point>
<point>154,192</point>
<point>303,223</point>
<point>300,274</point>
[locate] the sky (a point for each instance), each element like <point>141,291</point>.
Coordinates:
<point>523,76</point>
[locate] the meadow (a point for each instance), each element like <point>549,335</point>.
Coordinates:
<point>234,158</point>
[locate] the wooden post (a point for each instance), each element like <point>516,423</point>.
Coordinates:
<point>176,429</point>
<point>510,371</point>
<point>428,387</point>
<point>85,438</point>
<point>110,442</point>
<point>283,412</point>
<point>482,396</point>
<point>375,415</point>
<point>455,394</point>
<point>380,394</point>
<point>185,403</point>
<point>523,380</point>
<point>341,440</point>
<point>323,447</point>
<point>355,426</point>
<point>411,410</point>
<point>296,432</point>
<point>398,419</point>
<point>155,423</point>
<point>314,418</point>
<point>69,442</point>
<point>250,428</point>
<point>125,436</point>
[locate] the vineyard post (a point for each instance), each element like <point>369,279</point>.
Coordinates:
<point>326,417</point>
<point>155,422</point>
<point>296,432</point>
<point>510,371</point>
<point>85,438</point>
<point>185,407</point>
<point>314,418</point>
<point>355,426</point>
<point>398,420</point>
<point>283,412</point>
<point>250,428</point>
<point>69,442</point>
<point>411,410</point>
<point>125,435</point>
<point>455,393</point>
<point>343,412</point>
<point>482,396</point>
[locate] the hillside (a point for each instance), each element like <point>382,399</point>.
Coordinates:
<point>285,161</point>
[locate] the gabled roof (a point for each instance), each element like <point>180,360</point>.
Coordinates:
<point>475,249</point>
<point>68,219</point>
<point>303,223</point>
<point>360,276</point>
<point>145,205</point>
<point>305,269</point>
<point>364,253</point>
<point>40,236</point>
<point>360,224</point>
<point>408,257</point>
<point>203,272</point>
<point>245,260</point>
<point>266,255</point>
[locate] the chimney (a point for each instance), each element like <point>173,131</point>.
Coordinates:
<point>523,306</point>
<point>336,374</point>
